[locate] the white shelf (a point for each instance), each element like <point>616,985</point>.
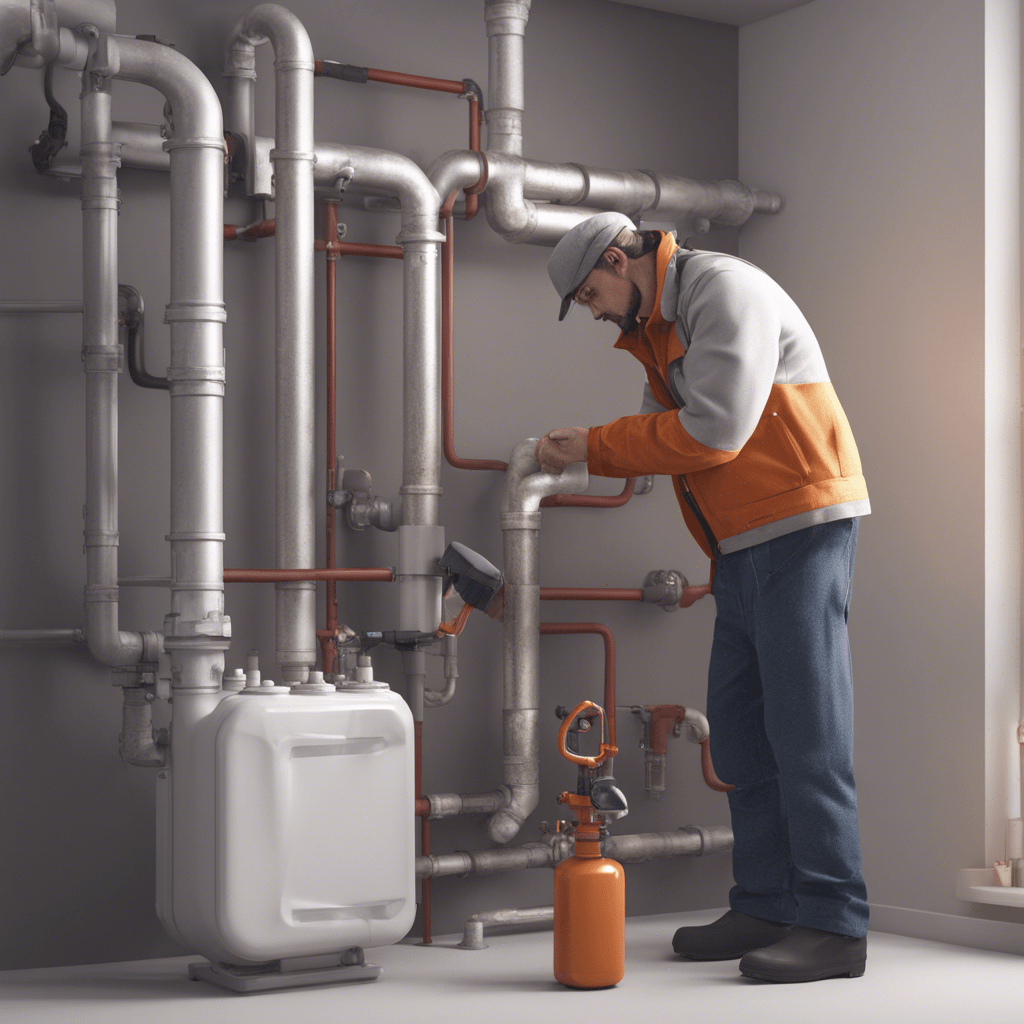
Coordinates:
<point>978,885</point>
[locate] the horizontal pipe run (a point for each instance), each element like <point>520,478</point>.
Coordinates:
<point>686,841</point>
<point>591,500</point>
<point>416,81</point>
<point>42,636</point>
<point>307,575</point>
<point>268,228</point>
<point>590,594</point>
<point>390,252</point>
<point>42,306</point>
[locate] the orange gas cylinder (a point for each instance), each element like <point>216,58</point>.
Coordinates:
<point>590,890</point>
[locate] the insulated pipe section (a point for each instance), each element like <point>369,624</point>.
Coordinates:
<point>293,159</point>
<point>687,841</point>
<point>520,526</point>
<point>101,356</point>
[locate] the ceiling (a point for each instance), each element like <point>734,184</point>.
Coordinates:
<point>729,12</point>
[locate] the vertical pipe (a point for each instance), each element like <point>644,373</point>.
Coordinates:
<point>293,159</point>
<point>197,629</point>
<point>330,235</point>
<point>506,29</point>
<point>101,356</point>
<point>296,474</point>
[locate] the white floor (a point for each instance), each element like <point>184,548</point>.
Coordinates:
<point>907,981</point>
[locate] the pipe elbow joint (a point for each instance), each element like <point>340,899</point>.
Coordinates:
<point>504,825</point>
<point>277,25</point>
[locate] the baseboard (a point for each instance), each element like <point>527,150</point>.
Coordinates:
<point>976,933</point>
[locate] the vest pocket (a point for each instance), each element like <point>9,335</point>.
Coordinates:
<point>770,463</point>
<point>788,442</point>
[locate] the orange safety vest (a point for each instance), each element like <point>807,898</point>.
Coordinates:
<point>801,455</point>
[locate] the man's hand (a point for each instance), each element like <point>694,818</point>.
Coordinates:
<point>560,447</point>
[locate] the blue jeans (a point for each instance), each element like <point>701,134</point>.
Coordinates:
<point>780,707</point>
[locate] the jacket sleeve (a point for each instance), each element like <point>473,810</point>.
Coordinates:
<point>723,382</point>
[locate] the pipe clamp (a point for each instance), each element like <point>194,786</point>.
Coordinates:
<point>195,312</point>
<point>291,154</point>
<point>102,358</point>
<point>520,520</point>
<point>201,143</point>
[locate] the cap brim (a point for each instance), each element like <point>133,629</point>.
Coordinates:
<point>566,305</point>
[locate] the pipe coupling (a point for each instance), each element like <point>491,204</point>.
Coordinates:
<point>506,17</point>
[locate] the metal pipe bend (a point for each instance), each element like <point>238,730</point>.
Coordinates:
<point>196,108</point>
<point>525,485</point>
<point>269,23</point>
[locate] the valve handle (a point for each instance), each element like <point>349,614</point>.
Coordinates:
<point>589,762</point>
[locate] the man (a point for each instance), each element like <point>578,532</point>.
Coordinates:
<point>739,411</point>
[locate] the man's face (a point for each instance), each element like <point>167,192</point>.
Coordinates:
<point>610,296</point>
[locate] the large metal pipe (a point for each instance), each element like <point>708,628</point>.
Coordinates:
<point>197,630</point>
<point>538,202</point>
<point>101,356</point>
<point>520,526</point>
<point>687,841</point>
<point>506,29</point>
<point>292,159</point>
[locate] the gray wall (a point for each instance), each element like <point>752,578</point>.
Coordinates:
<point>608,85</point>
<point>869,117</point>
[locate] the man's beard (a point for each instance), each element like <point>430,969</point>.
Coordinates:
<point>629,322</point>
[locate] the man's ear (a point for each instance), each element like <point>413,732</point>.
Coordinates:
<point>615,260</point>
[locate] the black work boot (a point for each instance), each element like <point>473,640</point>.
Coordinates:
<point>807,954</point>
<point>728,938</point>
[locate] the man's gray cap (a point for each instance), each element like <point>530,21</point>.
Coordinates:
<point>577,253</point>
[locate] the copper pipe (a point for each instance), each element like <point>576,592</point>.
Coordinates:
<point>708,769</point>
<point>391,252</point>
<point>417,728</point>
<point>448,348</point>
<point>264,229</point>
<point>473,198</point>
<point>312,575</point>
<point>547,628</point>
<point>331,234</point>
<point>591,500</point>
<point>589,594</point>
<point>422,805</point>
<point>416,81</point>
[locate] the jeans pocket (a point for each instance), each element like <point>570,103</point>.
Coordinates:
<point>782,550</point>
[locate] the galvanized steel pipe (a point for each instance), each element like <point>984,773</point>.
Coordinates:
<point>520,526</point>
<point>293,159</point>
<point>101,356</point>
<point>686,841</point>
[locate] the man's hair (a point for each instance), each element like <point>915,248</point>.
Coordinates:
<point>633,243</point>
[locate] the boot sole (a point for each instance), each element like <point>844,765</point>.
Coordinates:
<point>855,970</point>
